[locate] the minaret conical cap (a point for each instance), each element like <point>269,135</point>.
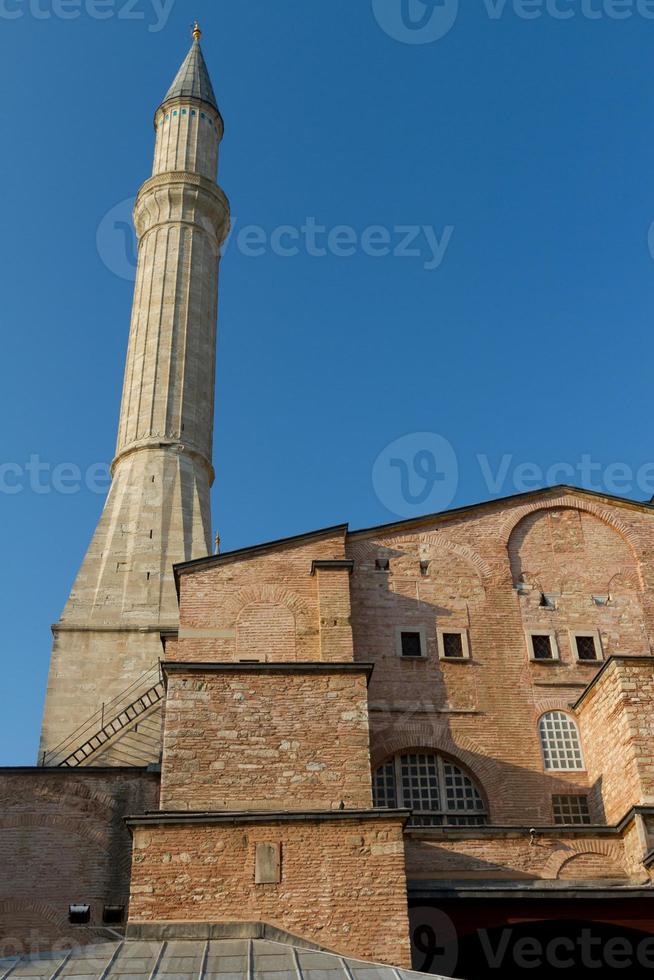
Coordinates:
<point>193,81</point>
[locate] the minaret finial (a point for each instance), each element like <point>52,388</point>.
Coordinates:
<point>197,33</point>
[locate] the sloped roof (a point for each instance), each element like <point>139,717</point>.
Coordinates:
<point>213,959</point>
<point>414,522</point>
<point>192,80</point>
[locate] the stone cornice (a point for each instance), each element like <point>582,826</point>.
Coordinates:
<point>236,667</point>
<point>162,445</point>
<point>616,658</point>
<point>157,818</point>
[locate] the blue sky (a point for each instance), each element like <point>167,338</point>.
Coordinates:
<point>355,387</point>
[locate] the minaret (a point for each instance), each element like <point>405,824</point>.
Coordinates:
<point>157,511</point>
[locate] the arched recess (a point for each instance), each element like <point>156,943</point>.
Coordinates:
<point>436,787</point>
<point>568,501</point>
<point>265,631</point>
<point>559,558</point>
<point>605,852</point>
<point>273,597</point>
<point>69,826</point>
<point>27,927</point>
<point>416,736</point>
<point>420,547</point>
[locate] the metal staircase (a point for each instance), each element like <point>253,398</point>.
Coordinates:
<point>127,718</point>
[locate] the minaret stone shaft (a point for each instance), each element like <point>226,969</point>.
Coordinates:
<point>157,511</point>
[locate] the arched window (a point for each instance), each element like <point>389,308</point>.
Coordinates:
<point>559,737</point>
<point>436,790</point>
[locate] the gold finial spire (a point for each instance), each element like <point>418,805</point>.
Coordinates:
<point>197,33</point>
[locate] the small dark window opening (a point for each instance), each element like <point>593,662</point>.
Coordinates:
<point>453,646</point>
<point>411,645</point>
<point>571,810</point>
<point>382,564</point>
<point>113,915</point>
<point>542,645</point>
<point>586,649</point>
<point>79,915</point>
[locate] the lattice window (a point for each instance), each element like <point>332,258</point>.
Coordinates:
<point>453,646</point>
<point>571,810</point>
<point>383,786</point>
<point>541,644</point>
<point>560,741</point>
<point>438,791</point>
<point>460,791</point>
<point>420,781</point>
<point>586,646</point>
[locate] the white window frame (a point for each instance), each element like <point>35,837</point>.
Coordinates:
<point>464,642</point>
<point>556,655</point>
<point>562,768</point>
<point>423,642</point>
<point>598,645</point>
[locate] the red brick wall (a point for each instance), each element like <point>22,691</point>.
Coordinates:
<point>484,712</point>
<point>259,740</point>
<point>343,882</point>
<point>267,605</point>
<point>63,840</point>
<point>512,857</point>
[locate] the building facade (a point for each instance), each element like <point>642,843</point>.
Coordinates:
<point>395,743</point>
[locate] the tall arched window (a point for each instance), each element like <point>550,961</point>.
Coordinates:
<point>559,738</point>
<point>436,790</point>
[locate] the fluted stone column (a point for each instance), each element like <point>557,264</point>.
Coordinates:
<point>157,511</point>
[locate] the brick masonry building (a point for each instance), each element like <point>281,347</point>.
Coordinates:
<point>433,731</point>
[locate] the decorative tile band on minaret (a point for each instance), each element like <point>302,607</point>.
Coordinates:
<point>158,511</point>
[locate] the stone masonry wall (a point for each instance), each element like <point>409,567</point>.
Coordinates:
<point>62,841</point>
<point>343,882</point>
<point>617,722</point>
<point>243,740</point>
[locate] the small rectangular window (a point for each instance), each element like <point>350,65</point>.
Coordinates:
<point>542,646</point>
<point>453,645</point>
<point>587,647</point>
<point>113,915</point>
<point>571,810</point>
<point>411,644</point>
<point>79,915</point>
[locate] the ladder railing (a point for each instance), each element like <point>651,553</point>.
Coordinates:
<point>113,717</point>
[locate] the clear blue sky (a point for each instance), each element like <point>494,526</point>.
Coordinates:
<point>529,139</point>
